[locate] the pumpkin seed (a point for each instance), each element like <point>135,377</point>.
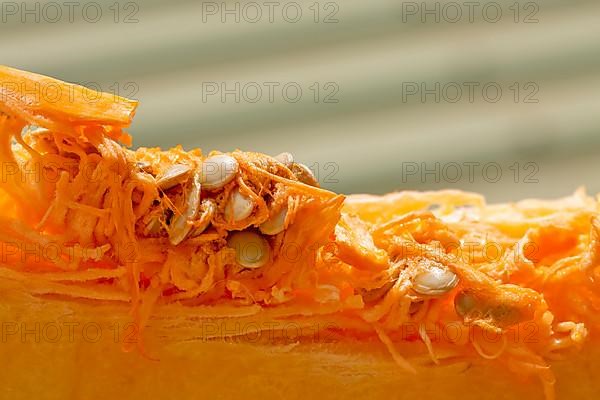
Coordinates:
<point>275,223</point>
<point>471,307</point>
<point>144,166</point>
<point>373,295</point>
<point>174,175</point>
<point>465,303</point>
<point>153,226</point>
<point>304,174</point>
<point>285,158</point>
<point>219,170</point>
<point>435,281</point>
<point>300,171</point>
<point>251,249</point>
<point>181,224</point>
<point>208,207</point>
<point>239,207</point>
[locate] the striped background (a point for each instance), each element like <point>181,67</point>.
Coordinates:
<point>375,137</point>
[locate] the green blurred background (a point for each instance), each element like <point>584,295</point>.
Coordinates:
<point>374,96</point>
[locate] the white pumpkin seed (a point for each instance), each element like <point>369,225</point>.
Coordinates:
<point>181,224</point>
<point>251,249</point>
<point>208,208</point>
<point>219,170</point>
<point>304,174</point>
<point>275,223</point>
<point>285,158</point>
<point>175,174</point>
<point>239,207</point>
<point>435,281</point>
